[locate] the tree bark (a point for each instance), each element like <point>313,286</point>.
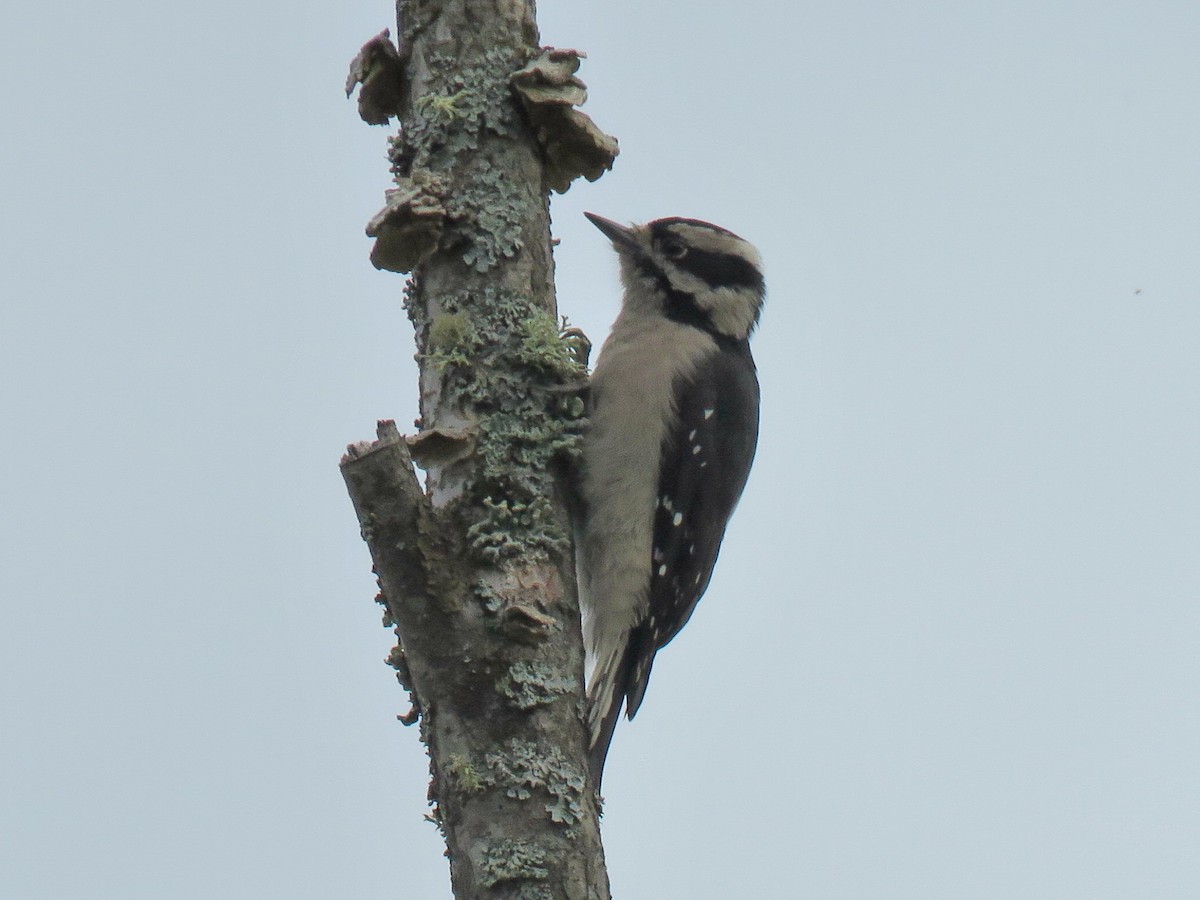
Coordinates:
<point>476,567</point>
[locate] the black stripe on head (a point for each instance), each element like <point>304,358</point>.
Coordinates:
<point>681,307</point>
<point>722,269</point>
<point>713,268</point>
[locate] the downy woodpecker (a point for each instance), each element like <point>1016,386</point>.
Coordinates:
<point>673,427</point>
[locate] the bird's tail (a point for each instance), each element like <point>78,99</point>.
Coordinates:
<point>605,697</point>
<point>619,678</point>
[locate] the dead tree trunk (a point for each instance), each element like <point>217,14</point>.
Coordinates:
<point>476,567</point>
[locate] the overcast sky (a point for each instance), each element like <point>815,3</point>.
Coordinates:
<point>952,648</point>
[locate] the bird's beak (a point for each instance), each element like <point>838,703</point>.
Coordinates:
<point>621,235</point>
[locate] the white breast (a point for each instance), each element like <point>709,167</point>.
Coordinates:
<point>634,386</point>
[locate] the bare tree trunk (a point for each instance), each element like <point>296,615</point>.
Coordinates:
<point>476,568</point>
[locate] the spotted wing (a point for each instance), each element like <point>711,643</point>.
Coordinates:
<point>705,466</point>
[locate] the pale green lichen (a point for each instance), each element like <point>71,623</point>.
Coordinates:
<point>508,860</point>
<point>488,209</point>
<point>543,347</point>
<point>528,684</point>
<point>491,599</point>
<point>452,340</point>
<point>486,102</point>
<point>464,773</point>
<point>508,524</point>
<point>525,425</point>
<point>472,99</point>
<point>442,133</point>
<point>441,108</point>
<point>523,768</point>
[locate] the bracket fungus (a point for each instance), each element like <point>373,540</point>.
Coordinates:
<point>379,68</point>
<point>409,226</point>
<point>573,145</point>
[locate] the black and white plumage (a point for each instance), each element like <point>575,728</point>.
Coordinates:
<point>672,432</point>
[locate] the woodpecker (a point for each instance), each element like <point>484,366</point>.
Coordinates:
<point>673,425</point>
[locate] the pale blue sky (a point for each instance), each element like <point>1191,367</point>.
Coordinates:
<point>952,648</point>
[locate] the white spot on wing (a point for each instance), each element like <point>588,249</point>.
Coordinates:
<point>708,414</point>
<point>678,519</point>
<point>662,570</point>
<point>692,435</point>
<point>695,449</point>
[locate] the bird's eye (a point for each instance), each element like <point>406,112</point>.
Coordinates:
<point>674,249</point>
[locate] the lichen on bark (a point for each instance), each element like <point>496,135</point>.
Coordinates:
<point>475,564</point>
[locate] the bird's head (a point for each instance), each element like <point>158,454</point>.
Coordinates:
<point>692,271</point>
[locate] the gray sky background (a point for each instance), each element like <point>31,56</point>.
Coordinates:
<point>952,649</point>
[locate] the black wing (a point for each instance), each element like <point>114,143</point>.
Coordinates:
<point>705,466</point>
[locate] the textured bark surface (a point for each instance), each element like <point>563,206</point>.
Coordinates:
<point>475,566</point>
